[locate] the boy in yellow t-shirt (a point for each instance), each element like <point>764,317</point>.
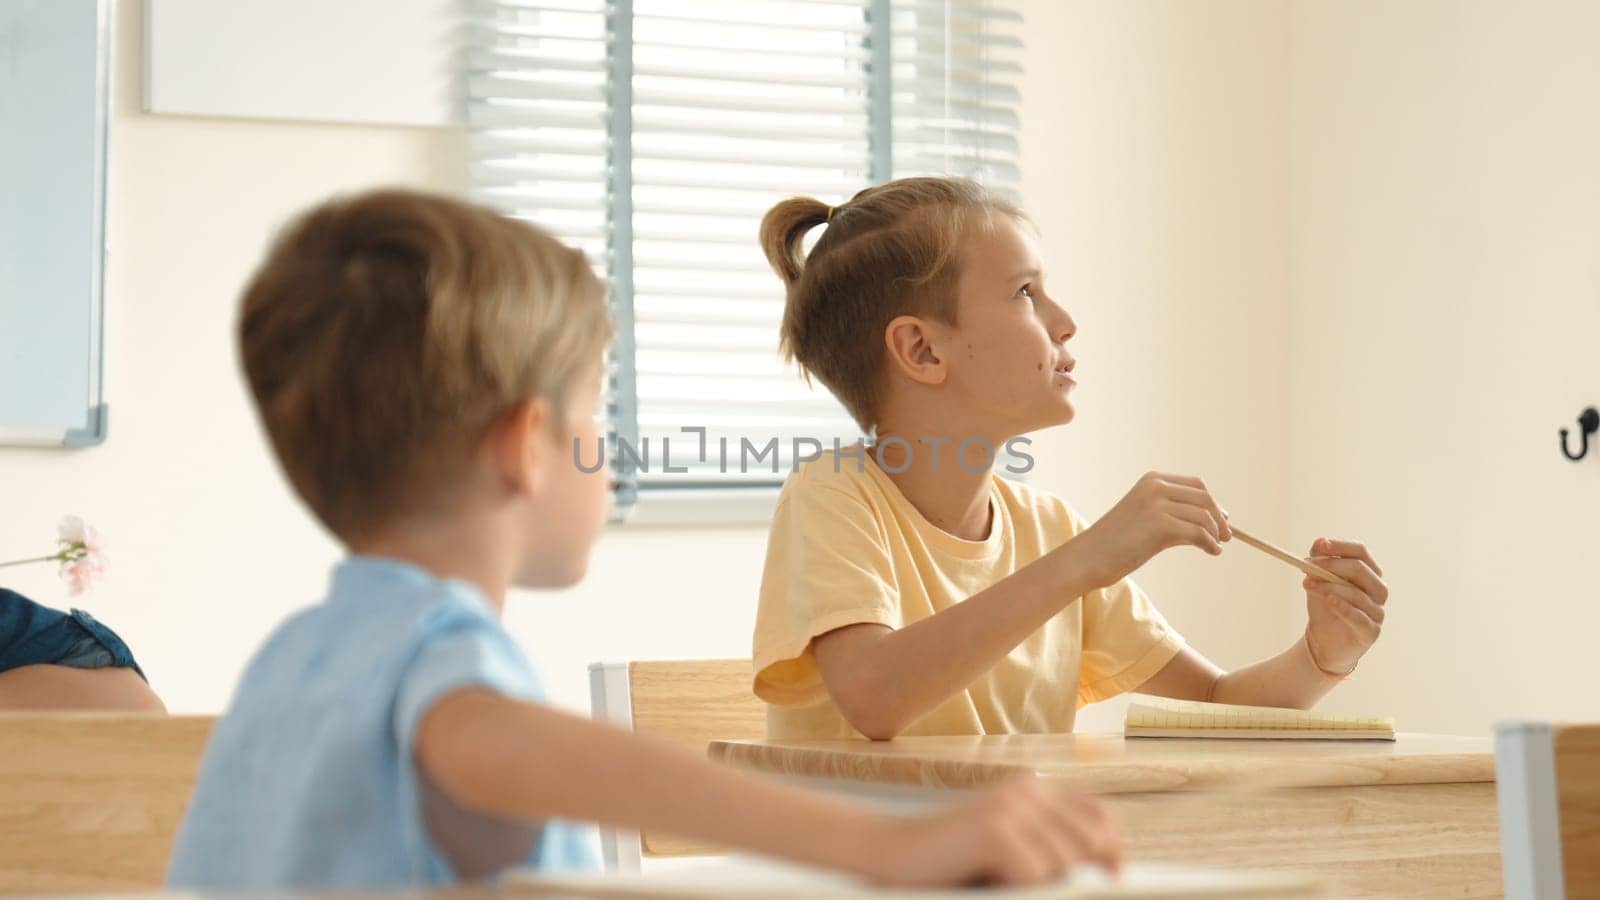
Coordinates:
<point>911,590</point>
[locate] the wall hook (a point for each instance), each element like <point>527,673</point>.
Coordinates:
<point>1589,421</point>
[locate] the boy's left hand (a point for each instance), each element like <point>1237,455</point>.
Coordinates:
<point>1343,622</point>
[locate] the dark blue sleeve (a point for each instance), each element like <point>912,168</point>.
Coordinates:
<point>31,635</point>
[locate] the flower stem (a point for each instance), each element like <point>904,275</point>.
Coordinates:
<point>17,562</point>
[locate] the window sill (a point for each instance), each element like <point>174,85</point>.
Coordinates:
<point>663,507</point>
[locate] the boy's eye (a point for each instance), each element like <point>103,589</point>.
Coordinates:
<point>1025,291</point>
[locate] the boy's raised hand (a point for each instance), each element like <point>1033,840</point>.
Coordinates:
<point>1343,622</point>
<point>1160,512</point>
<point>1026,831</point>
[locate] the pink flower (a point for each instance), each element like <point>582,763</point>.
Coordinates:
<point>82,555</point>
<point>81,574</point>
<point>73,530</point>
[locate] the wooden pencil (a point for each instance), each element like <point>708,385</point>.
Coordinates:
<point>1310,568</point>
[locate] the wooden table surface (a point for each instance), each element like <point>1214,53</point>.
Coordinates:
<point>1415,817</point>
<point>1111,764</point>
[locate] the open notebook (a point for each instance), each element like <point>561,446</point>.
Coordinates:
<point>1160,717</point>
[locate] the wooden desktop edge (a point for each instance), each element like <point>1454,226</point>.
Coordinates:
<point>940,770</point>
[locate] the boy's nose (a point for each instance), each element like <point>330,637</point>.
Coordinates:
<point>1065,328</point>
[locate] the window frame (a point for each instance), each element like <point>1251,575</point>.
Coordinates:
<point>648,503</point>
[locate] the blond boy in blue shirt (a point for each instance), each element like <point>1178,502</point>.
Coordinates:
<point>425,369</point>
<point>911,590</point>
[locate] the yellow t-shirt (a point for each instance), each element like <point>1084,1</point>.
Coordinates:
<point>847,547</point>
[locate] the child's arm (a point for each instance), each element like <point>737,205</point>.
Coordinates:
<point>1343,623</point>
<point>55,688</point>
<point>505,758</point>
<point>883,679</point>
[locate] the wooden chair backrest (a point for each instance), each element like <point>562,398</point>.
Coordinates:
<point>1577,759</point>
<point>692,703</point>
<point>1548,781</point>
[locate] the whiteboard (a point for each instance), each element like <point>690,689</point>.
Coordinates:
<point>375,61</point>
<point>54,60</point>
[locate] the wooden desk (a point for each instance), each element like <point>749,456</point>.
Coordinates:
<point>511,892</point>
<point>1413,818</point>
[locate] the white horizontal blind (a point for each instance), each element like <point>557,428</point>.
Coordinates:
<point>655,134</point>
<point>540,122</point>
<point>737,104</point>
<point>539,115</point>
<point>956,64</point>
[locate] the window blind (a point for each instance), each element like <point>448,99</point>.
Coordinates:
<point>655,134</point>
<point>955,71</point>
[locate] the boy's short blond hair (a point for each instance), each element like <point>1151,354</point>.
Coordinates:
<point>893,249</point>
<point>385,332</point>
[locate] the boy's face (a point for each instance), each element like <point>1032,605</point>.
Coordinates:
<point>570,507</point>
<point>1008,365</point>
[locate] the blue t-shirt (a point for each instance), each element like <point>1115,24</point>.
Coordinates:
<point>309,779</point>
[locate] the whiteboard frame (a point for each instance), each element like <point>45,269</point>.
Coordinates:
<point>97,413</point>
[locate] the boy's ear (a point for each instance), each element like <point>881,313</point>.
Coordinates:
<point>520,445</point>
<point>913,352</point>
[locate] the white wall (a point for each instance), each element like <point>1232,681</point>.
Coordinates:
<point>1154,155</point>
<point>1443,322</point>
<point>1155,161</point>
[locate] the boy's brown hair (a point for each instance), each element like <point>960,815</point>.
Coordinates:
<point>891,250</point>
<point>385,332</point>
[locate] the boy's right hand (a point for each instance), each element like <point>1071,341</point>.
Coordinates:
<point>1161,511</point>
<point>1026,831</point>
